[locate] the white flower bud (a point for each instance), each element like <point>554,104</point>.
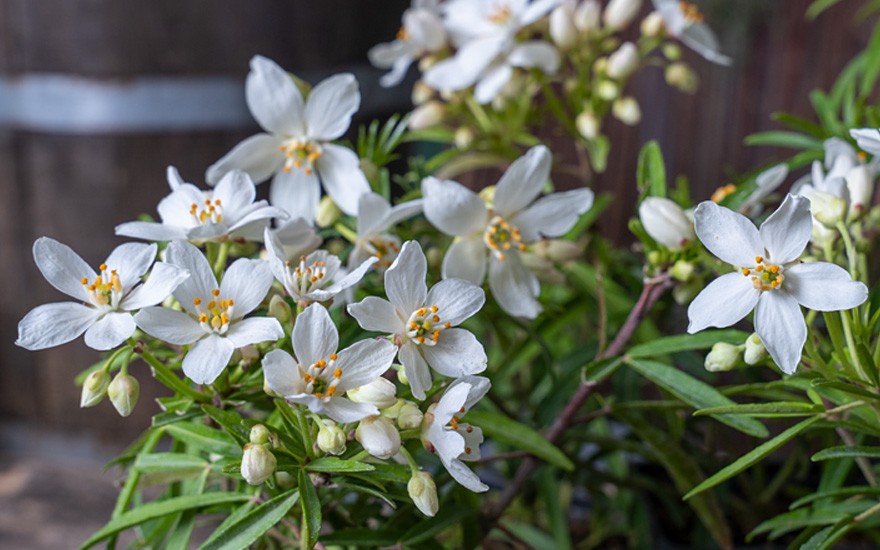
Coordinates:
<point>259,434</point>
<point>328,213</point>
<point>409,417</point>
<point>821,236</point>
<point>666,222</point>
<point>280,309</point>
<point>123,392</point>
<point>619,13</point>
<point>378,436</point>
<point>562,29</point>
<point>426,115</point>
<point>681,77</point>
<point>587,16</point>
<point>723,357</point>
<point>588,125</point>
<point>421,92</point>
<point>623,62</point>
<point>682,271</point>
<point>380,392</point>
<point>653,25</point>
<point>94,388</point>
<point>755,351</point>
<point>607,90</point>
<point>331,438</point>
<point>626,110</point>
<point>827,208</point>
<point>401,376</point>
<point>860,182</point>
<point>463,137</point>
<point>257,464</point>
<point>558,250</point>
<point>423,492</point>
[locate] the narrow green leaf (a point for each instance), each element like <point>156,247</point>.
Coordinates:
<point>169,461</point>
<point>861,490</point>
<point>777,409</point>
<point>331,464</point>
<point>252,525</point>
<point>423,531</point>
<point>784,139</point>
<point>548,487</point>
<point>205,438</point>
<point>800,123</point>
<point>818,6</point>
<point>686,342</point>
<point>154,510</point>
<point>231,421</point>
<point>311,509</point>
<point>360,537</point>
<point>696,393</point>
<point>752,457</point>
<point>845,451</point>
<point>504,430</point>
<point>651,171</point>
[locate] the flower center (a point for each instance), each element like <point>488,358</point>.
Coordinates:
<point>105,290</point>
<point>403,34</point>
<point>215,316</point>
<point>765,276</point>
<point>209,212</point>
<point>300,154</point>
<point>306,278</point>
<point>691,12</point>
<point>425,325</point>
<point>723,192</point>
<point>385,248</point>
<point>321,378</point>
<point>502,236</point>
<point>501,15</point>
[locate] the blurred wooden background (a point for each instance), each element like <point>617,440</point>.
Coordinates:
<point>77,187</point>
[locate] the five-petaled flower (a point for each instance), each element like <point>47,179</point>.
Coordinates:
<point>375,219</point>
<point>422,321</point>
<point>319,376</point>
<point>107,298</point>
<point>770,279</point>
<point>212,320</point>
<point>422,33</point>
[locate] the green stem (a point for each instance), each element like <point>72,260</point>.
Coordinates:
<point>851,344</point>
<point>479,113</point>
<point>850,249</point>
<point>832,321</point>
<point>107,366</point>
<point>305,432</point>
<point>220,261</point>
<point>163,374</point>
<point>413,465</point>
<point>346,232</point>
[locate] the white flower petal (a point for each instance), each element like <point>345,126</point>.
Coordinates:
<point>397,73</point>
<point>251,226</point>
<point>781,327</point>
<point>297,193</point>
<point>273,98</point>
<point>207,359</point>
<point>201,280</point>
<point>405,279</point>
<point>728,235</point>
<point>403,211</point>
<point>479,387</point>
<point>363,362</point>
<point>297,237</point>
<point>523,181</point>
<point>330,105</point>
<point>236,193</point>
<point>553,215</point>
<point>390,54</point>
<point>535,10</point>
<point>258,155</point>
<point>372,213</point>
<point>62,267</point>
<point>131,261</point>
<point>173,177</point>
<point>109,331</point>
<point>473,438</point>
<point>449,405</point>
<point>492,82</point>
<point>723,302</point>
<point>415,368</point>
<point>868,139</point>
<point>465,476</point>
<point>456,299</point>
<point>466,259</point>
<point>787,231</point>
<point>282,374</point>
<point>342,410</point>
<point>700,38</point>
<point>151,231</point>
<point>823,286</point>
<point>373,313</point>
<point>175,208</point>
<point>463,70</point>
<point>351,279</point>
<point>535,53</point>
<point>163,279</point>
<point>453,208</point>
<point>246,282</point>
<point>254,331</point>
<point>457,353</point>
<point>341,175</point>
<point>514,286</point>
<point>169,325</point>
<point>314,336</point>
<point>51,325</point>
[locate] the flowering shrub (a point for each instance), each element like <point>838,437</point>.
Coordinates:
<point>360,394</point>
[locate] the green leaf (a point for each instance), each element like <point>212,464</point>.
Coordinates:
<point>154,510</point>
<point>861,490</point>
<point>311,509</point>
<point>784,139</point>
<point>253,525</point>
<point>169,461</point>
<point>818,7</point>
<point>696,393</point>
<point>502,429</point>
<point>425,530</point>
<point>799,123</point>
<point>360,537</point>
<point>778,409</point>
<point>205,438</point>
<point>548,487</point>
<point>752,457</point>
<point>686,342</point>
<point>331,464</point>
<point>845,451</point>
<point>651,171</point>
<point>231,421</point>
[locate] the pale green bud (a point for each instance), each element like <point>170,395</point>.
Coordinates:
<point>381,393</point>
<point>623,62</point>
<point>488,195</point>
<point>755,351</point>
<point>423,492</point>
<point>562,29</point>
<point>421,92</point>
<point>328,213</point>
<point>257,464</point>
<point>409,417</point>
<point>94,388</point>
<point>682,271</point>
<point>671,51</point>
<point>619,13</point>
<point>723,357</point>
<point>607,90</point>
<point>464,137</point>
<point>600,65</point>
<point>626,110</point>
<point>588,125</point>
<point>260,434</point>
<point>827,208</point>
<point>587,16</point>
<point>331,438</point>
<point>280,309</point>
<point>682,77</point>
<point>435,258</point>
<point>401,376</point>
<point>653,25</point>
<point>426,115</point>
<point>378,436</point>
<point>123,392</point>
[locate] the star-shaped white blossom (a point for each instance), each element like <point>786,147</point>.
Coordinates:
<point>422,33</point>
<point>375,219</point>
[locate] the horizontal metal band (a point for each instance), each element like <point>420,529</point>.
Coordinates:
<point>67,104</point>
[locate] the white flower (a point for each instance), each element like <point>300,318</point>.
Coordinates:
<point>765,183</point>
<point>312,278</point>
<point>500,232</point>
<point>319,376</point>
<point>375,218</point>
<point>212,320</point>
<point>105,298</point>
<point>666,222</point>
<point>685,22</point>
<point>453,441</point>
<point>868,139</point>
<point>828,193</point>
<point>422,33</point>
<point>623,61</point>
<point>378,436</point>
<point>620,13</point>
<point>381,392</point>
<point>422,321</point>
<point>297,148</point>
<point>297,237</point>
<point>190,214</point>
<point>484,31</point>
<point>769,279</point>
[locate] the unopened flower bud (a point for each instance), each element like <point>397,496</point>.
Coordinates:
<point>653,25</point>
<point>328,213</point>
<point>860,182</point>
<point>435,258</point>
<point>619,13</point>
<point>681,77</point>
<point>755,351</point>
<point>123,392</point>
<point>822,236</point>
<point>94,388</point>
<point>423,492</point>
<point>259,434</point>
<point>257,464</point>
<point>671,51</point>
<point>666,222</point>
<point>488,195</point>
<point>463,137</point>
<point>331,438</point>
<point>558,250</point>
<point>378,436</point>
<point>409,416</point>
<point>588,125</point>
<point>626,110</point>
<point>623,62</point>
<point>587,16</point>
<point>607,90</point>
<point>723,357</point>
<point>280,309</point>
<point>426,115</point>
<point>827,208</point>
<point>562,29</point>
<point>600,65</point>
<point>682,271</point>
<point>401,376</point>
<point>381,393</point>
<point>421,92</point>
